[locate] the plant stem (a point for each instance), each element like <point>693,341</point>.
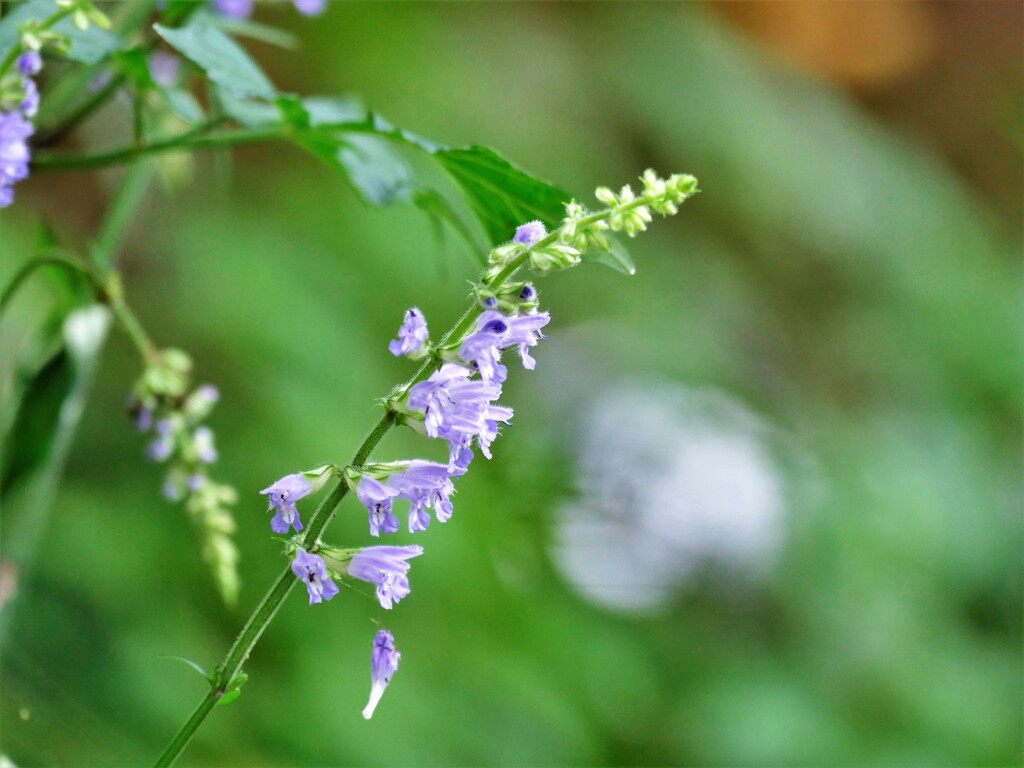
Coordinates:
<point>119,215</point>
<point>51,161</point>
<point>270,604</point>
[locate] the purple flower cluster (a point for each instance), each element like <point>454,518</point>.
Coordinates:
<point>424,484</point>
<point>179,435</point>
<point>15,127</point>
<point>242,9</point>
<point>458,404</point>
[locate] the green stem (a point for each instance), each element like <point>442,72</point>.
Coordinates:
<point>119,215</point>
<point>54,161</point>
<point>269,605</point>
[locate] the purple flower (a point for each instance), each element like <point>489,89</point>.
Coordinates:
<point>29,63</point>
<point>524,331</point>
<point>378,500</point>
<point>383,664</point>
<point>411,335</point>
<point>483,349</point>
<point>310,7</point>
<point>283,495</point>
<point>494,415</point>
<point>236,9</point>
<point>387,568</point>
<point>30,103</point>
<point>14,153</point>
<point>529,293</point>
<point>529,233</point>
<point>195,482</point>
<point>455,408</point>
<point>312,571</point>
<point>164,67</point>
<point>208,393</point>
<point>144,419</point>
<point>161,448</point>
<point>425,485</point>
<point>202,442</point>
<point>171,490</point>
<point>495,332</point>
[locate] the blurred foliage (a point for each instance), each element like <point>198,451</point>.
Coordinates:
<point>835,275</point>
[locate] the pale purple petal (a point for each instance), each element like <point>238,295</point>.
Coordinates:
<point>383,665</point>
<point>312,571</point>
<point>529,233</point>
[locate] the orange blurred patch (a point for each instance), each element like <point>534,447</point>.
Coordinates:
<point>860,44</point>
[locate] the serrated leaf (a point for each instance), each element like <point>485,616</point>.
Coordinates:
<point>376,168</point>
<point>223,60</point>
<point>617,258</point>
<point>189,662</point>
<point>502,195</point>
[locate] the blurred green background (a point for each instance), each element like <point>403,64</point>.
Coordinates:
<point>761,503</point>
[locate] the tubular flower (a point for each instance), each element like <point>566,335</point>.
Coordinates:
<point>282,496</point>
<point>411,336</point>
<point>387,568</point>
<point>312,571</point>
<point>383,664</point>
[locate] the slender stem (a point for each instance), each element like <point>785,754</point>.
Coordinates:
<point>120,214</point>
<point>53,161</point>
<point>129,323</point>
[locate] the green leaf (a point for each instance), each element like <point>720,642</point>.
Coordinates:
<point>502,195</point>
<point>38,442</point>
<point>342,110</point>
<point>256,31</point>
<point>617,258</point>
<point>376,168</point>
<point>223,60</point>
<point>183,104</point>
<point>191,663</point>
<point>228,697</point>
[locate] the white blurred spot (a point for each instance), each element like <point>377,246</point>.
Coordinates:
<point>670,480</point>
